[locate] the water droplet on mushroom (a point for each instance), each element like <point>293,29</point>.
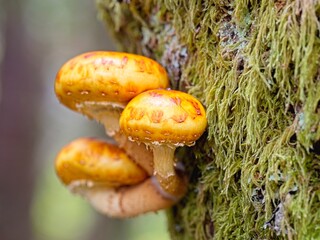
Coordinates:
<point>69,93</point>
<point>84,92</point>
<point>130,138</point>
<point>110,132</point>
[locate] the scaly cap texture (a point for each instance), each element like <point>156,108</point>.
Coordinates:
<point>116,77</point>
<point>164,117</point>
<point>96,161</point>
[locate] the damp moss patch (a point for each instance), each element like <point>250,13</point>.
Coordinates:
<point>255,66</point>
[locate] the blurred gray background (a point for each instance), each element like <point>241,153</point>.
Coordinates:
<point>36,38</point>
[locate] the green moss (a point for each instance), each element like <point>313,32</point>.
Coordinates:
<point>255,66</point>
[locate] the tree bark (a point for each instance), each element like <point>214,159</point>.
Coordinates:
<point>255,66</point>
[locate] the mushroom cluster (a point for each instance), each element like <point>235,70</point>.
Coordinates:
<point>129,95</point>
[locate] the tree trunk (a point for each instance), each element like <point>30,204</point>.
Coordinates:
<point>255,174</point>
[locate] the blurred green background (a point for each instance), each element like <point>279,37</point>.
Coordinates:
<point>36,38</point>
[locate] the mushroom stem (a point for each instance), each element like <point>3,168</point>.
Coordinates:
<point>163,158</point>
<point>138,152</point>
<point>171,183</point>
<point>127,201</point>
<point>106,113</point>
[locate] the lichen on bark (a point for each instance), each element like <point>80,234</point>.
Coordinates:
<point>255,66</point>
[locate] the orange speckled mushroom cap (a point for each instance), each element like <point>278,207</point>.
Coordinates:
<point>96,161</point>
<point>107,77</point>
<point>164,117</point>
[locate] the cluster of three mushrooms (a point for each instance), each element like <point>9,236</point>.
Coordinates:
<point>109,86</point>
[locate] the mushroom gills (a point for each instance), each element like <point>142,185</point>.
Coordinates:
<point>106,113</point>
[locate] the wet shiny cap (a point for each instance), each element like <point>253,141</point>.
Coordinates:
<point>164,117</point>
<point>98,77</point>
<point>93,161</point>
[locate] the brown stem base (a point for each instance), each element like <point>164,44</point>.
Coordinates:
<point>173,187</point>
<point>130,201</point>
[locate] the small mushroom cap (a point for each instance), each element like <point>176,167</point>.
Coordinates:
<point>97,77</point>
<point>95,161</point>
<point>164,117</point>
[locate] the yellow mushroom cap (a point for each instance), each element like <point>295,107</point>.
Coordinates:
<point>164,117</point>
<point>100,76</point>
<point>95,161</point>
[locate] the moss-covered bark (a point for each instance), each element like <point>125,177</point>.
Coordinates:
<point>255,66</point>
